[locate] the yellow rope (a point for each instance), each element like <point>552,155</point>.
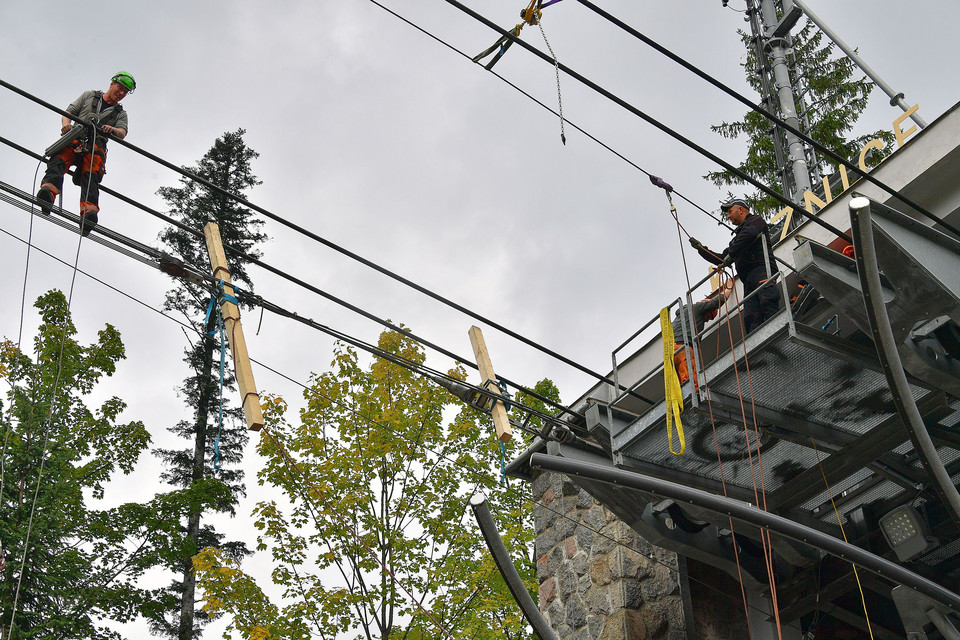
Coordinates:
<point>673,395</point>
<point>844,534</point>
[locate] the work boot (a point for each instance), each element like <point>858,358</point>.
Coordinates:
<point>88,222</point>
<point>46,198</point>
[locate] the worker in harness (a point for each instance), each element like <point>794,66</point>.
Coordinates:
<point>747,254</point>
<point>702,312</point>
<point>101,110</point>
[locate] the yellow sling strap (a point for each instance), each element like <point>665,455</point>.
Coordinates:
<point>673,395</point>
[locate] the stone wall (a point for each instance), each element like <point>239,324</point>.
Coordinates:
<point>598,579</point>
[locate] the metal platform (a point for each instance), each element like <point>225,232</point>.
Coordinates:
<point>818,399</point>
<point>809,389</point>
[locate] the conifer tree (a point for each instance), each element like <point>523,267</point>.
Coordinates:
<point>227,165</point>
<point>833,99</point>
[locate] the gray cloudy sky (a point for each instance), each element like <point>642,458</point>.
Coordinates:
<point>378,138</point>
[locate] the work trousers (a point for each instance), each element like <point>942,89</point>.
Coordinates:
<point>681,366</point>
<point>761,306</point>
<point>91,165</point>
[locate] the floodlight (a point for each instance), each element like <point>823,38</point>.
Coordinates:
<point>905,532</point>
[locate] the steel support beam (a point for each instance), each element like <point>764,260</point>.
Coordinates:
<point>753,515</point>
<point>887,351</point>
<point>509,572</point>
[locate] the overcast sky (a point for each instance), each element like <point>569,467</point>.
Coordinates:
<point>380,139</point>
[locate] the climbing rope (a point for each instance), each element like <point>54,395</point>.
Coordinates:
<point>53,397</point>
<point>8,423</point>
<point>216,300</point>
<point>46,441</point>
<point>722,275</point>
<point>761,499</point>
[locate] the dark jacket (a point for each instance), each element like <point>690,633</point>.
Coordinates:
<point>745,248</point>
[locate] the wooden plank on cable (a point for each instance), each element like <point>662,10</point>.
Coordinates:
<point>500,420</point>
<point>234,331</point>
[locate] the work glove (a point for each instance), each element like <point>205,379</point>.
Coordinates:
<point>696,244</point>
<point>727,260</point>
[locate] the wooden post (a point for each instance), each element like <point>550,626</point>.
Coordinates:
<point>500,419</point>
<point>231,323</point>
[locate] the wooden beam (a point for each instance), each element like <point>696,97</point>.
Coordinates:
<point>231,323</point>
<point>499,412</point>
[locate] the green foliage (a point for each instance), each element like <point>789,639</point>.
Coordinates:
<point>226,165</point>
<point>377,483</point>
<point>834,99</point>
<point>82,564</point>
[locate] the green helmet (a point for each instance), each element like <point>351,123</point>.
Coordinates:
<point>126,80</point>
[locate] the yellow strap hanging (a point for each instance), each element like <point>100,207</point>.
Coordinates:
<point>673,394</point>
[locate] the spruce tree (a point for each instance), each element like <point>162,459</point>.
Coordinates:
<point>227,165</point>
<point>833,98</point>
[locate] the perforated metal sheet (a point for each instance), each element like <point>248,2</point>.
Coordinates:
<point>823,390</point>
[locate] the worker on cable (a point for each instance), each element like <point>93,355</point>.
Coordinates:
<point>706,309</point>
<point>88,150</point>
<point>746,252</point>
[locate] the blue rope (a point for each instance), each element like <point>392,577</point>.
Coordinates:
<point>503,465</point>
<point>223,362</point>
<point>220,296</point>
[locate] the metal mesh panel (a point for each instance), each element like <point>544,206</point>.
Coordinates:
<point>953,419</point>
<point>818,388</point>
<point>882,491</point>
<point>780,460</point>
<point>940,554</point>
<point>822,499</point>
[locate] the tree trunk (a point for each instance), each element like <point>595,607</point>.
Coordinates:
<point>187,599</point>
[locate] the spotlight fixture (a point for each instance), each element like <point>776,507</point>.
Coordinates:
<point>905,532</point>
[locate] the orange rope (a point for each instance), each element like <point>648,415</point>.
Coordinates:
<point>767,542</point>
<point>716,440</point>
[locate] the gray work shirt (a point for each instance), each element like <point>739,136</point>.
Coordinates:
<point>91,106</point>
<point>700,311</point>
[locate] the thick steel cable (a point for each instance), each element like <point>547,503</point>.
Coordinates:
<point>766,114</point>
<point>651,120</point>
<point>600,377</point>
<point>275,270</point>
<point>356,413</point>
<point>279,310</point>
<point>528,95</point>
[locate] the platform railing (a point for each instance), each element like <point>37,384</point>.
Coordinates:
<point>695,360</point>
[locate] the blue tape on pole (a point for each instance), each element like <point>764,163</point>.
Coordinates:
<point>223,363</point>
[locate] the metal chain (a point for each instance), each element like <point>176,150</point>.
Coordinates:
<point>556,68</point>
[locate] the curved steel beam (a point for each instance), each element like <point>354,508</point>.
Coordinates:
<point>886,344</point>
<point>509,572</point>
<point>753,515</point>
